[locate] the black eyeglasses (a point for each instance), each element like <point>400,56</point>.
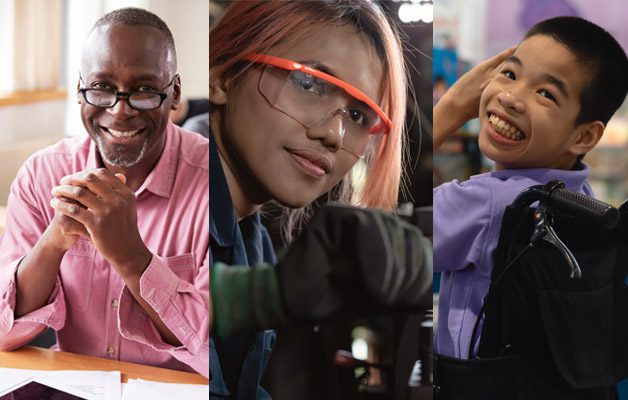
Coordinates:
<point>139,100</point>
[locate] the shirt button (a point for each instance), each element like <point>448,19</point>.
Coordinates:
<point>115,303</point>
<point>111,351</point>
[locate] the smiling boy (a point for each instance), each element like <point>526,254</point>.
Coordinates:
<point>529,112</point>
<point>544,109</point>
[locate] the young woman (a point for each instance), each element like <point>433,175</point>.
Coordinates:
<point>300,92</point>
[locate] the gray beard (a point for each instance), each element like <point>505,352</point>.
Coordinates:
<point>117,155</point>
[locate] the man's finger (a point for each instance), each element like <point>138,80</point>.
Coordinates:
<point>73,227</point>
<point>72,210</point>
<point>76,194</point>
<point>100,181</point>
<point>121,177</point>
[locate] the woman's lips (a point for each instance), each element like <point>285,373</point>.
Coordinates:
<point>311,162</point>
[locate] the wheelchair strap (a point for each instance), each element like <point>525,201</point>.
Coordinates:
<point>476,326</point>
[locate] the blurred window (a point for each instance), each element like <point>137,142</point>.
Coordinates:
<point>31,45</point>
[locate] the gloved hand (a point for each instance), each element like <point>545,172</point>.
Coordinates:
<point>245,299</point>
<point>347,263</point>
<point>352,262</point>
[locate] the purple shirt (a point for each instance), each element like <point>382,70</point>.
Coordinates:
<point>467,221</point>
<point>91,309</point>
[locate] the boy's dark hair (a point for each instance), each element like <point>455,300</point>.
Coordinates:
<point>599,53</point>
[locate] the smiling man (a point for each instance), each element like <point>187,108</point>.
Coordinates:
<point>107,237</point>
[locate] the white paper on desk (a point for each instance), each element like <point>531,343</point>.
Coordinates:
<point>139,389</point>
<point>11,379</point>
<point>92,385</point>
<point>96,385</point>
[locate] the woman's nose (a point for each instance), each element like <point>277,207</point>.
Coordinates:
<point>330,132</point>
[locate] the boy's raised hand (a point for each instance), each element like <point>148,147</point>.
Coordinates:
<point>462,100</point>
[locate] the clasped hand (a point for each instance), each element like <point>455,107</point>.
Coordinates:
<point>98,205</point>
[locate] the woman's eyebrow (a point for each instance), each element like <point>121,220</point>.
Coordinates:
<point>319,66</point>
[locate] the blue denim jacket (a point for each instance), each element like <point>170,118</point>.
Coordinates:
<point>236,364</point>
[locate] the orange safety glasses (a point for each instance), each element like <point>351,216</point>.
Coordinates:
<point>385,124</point>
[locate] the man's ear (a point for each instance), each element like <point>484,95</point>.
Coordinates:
<point>176,98</point>
<point>588,137</point>
<point>79,98</point>
<point>217,88</point>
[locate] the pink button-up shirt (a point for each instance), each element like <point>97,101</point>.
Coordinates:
<point>90,307</point>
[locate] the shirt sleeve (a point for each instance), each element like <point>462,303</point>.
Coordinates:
<point>462,220</point>
<point>24,226</point>
<point>182,305</point>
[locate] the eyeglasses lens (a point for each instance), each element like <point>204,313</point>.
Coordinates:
<point>137,100</point>
<point>312,101</point>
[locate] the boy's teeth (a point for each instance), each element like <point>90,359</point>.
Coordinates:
<point>505,129</point>
<point>124,134</point>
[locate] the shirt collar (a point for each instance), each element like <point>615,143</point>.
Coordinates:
<point>161,179</point>
<point>574,179</point>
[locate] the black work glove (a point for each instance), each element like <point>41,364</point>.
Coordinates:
<point>347,263</point>
<point>352,262</point>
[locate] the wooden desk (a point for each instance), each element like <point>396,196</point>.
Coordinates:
<point>38,358</point>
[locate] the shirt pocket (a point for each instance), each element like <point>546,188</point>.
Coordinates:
<point>77,269</point>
